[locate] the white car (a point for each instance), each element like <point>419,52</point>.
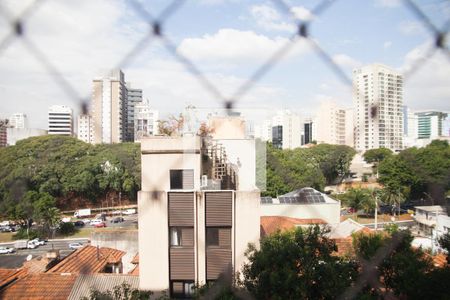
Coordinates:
<point>38,242</point>
<point>6,250</point>
<point>95,222</point>
<point>32,245</point>
<point>75,246</point>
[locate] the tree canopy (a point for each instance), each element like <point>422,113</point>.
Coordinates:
<point>65,168</point>
<point>377,155</point>
<point>419,173</point>
<point>306,167</point>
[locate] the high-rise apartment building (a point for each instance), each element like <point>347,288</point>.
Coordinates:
<point>198,210</point>
<point>430,124</point>
<point>378,114</point>
<point>108,108</point>
<point>145,120</point>
<point>134,97</point>
<point>309,131</point>
<point>331,124</point>
<point>18,120</point>
<point>85,129</point>
<point>287,130</point>
<point>60,120</point>
<point>4,123</point>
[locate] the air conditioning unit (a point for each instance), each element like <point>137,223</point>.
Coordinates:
<point>204,181</point>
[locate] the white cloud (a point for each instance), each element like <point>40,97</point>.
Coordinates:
<point>387,3</point>
<point>344,60</point>
<point>387,45</point>
<point>429,86</point>
<point>231,46</point>
<point>410,27</point>
<point>269,18</point>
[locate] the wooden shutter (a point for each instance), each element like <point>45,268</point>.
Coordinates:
<point>181,263</point>
<point>225,238</point>
<point>181,209</point>
<point>187,237</point>
<point>217,261</point>
<point>218,208</point>
<point>188,179</point>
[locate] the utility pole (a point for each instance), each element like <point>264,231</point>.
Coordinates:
<point>376,211</point>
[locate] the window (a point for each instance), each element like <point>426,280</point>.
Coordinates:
<point>182,289</point>
<point>212,236</point>
<point>181,179</point>
<point>175,236</point>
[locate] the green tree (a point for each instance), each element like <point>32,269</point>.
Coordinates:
<point>46,213</point>
<point>297,264</point>
<point>358,198</point>
<point>377,155</point>
<point>123,291</point>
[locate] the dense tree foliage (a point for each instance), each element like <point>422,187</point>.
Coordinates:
<point>359,198</point>
<point>297,264</point>
<point>315,167</point>
<point>64,168</point>
<point>419,173</point>
<point>377,155</point>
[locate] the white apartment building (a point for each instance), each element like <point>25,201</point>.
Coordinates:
<point>134,97</point>
<point>60,120</point>
<point>18,120</point>
<point>264,131</point>
<point>378,101</point>
<point>331,124</point>
<point>108,109</point>
<point>145,120</point>
<point>85,128</point>
<point>287,129</point>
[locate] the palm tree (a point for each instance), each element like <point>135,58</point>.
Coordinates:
<point>358,199</point>
<point>393,197</point>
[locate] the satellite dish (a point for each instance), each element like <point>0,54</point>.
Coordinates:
<point>29,257</point>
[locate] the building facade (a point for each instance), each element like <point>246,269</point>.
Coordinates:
<point>108,108</point>
<point>377,103</point>
<point>331,124</point>
<point>60,120</point>
<point>145,120</point>
<point>18,120</point>
<point>4,123</point>
<point>194,221</point>
<point>134,97</point>
<point>430,124</point>
<point>288,130</point>
<point>85,129</point>
<point>13,135</point>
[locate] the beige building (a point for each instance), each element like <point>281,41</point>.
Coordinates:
<point>195,222</point>
<point>378,108</point>
<point>332,124</point>
<point>85,128</point>
<point>108,108</point>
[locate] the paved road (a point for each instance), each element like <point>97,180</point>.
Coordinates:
<point>129,221</point>
<point>16,259</point>
<point>408,223</point>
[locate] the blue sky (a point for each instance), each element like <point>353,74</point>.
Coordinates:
<point>227,40</point>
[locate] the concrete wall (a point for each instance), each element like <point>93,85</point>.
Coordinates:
<point>246,225</point>
<point>124,240</point>
<point>13,135</point>
<point>160,154</point>
<point>329,212</point>
<point>153,241</point>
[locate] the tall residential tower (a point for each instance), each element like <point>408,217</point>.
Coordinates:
<point>108,108</point>
<point>378,114</point>
<point>60,120</point>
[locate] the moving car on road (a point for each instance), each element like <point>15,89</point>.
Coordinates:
<point>38,242</point>
<point>6,250</point>
<point>75,246</point>
<point>99,225</point>
<point>95,222</point>
<point>32,245</point>
<point>117,220</point>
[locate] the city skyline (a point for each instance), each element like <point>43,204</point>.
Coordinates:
<point>225,42</point>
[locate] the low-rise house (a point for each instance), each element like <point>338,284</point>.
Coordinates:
<point>90,259</point>
<point>85,283</point>
<point>426,217</point>
<point>40,286</point>
<point>272,224</point>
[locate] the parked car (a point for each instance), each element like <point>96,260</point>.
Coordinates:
<point>117,220</point>
<point>32,245</point>
<point>95,222</point>
<point>6,250</point>
<point>75,246</point>
<point>99,225</point>
<point>78,223</point>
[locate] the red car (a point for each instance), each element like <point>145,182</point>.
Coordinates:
<point>99,225</point>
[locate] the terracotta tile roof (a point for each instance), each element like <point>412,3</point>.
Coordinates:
<point>88,260</point>
<point>270,224</point>
<point>439,260</point>
<point>135,271</point>
<point>39,287</point>
<point>9,275</point>
<point>344,246</point>
<point>135,259</point>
